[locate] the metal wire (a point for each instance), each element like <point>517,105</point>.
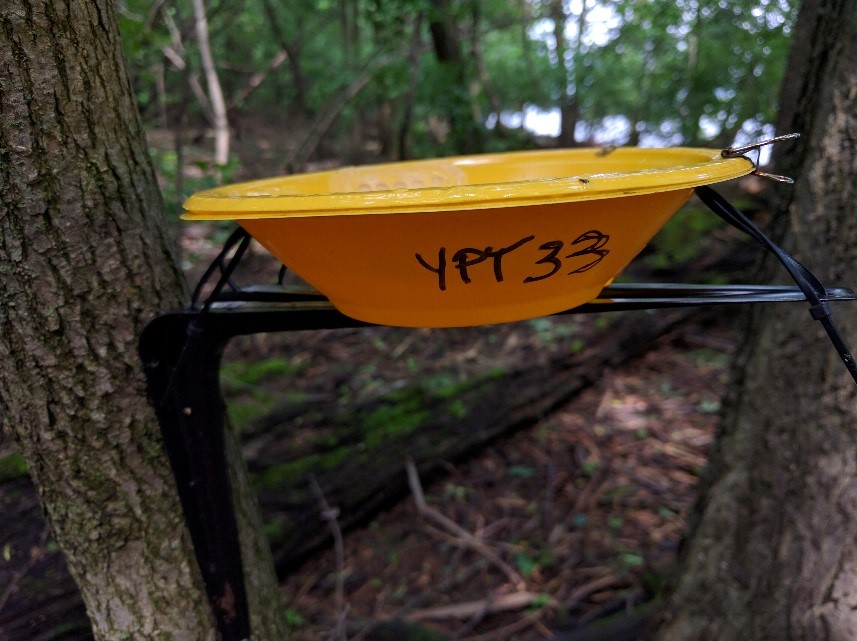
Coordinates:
<point>742,151</point>
<point>238,237</point>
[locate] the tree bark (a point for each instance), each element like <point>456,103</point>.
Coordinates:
<point>566,130</point>
<point>215,92</point>
<point>86,262</point>
<point>690,106</point>
<point>292,49</point>
<point>771,553</point>
<point>406,119</point>
<point>481,69</point>
<point>570,80</point>
<point>465,133</point>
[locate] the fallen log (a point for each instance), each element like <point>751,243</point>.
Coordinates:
<point>359,460</point>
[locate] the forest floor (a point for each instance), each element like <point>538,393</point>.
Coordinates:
<point>574,518</point>
<point>577,517</point>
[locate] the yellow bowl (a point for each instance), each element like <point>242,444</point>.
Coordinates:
<point>468,240</point>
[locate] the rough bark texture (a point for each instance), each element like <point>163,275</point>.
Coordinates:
<point>772,552</point>
<point>85,263</point>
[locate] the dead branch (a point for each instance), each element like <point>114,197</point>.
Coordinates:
<point>215,92</point>
<point>591,587</point>
<point>338,632</point>
<point>330,515</point>
<point>508,631</point>
<point>452,527</point>
<point>491,605</point>
<point>175,53</point>
<point>257,78</point>
<point>173,56</point>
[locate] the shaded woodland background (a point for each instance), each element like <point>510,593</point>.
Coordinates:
<point>324,81</point>
<point>582,510</point>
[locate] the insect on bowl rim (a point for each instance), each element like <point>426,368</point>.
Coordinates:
<point>672,169</point>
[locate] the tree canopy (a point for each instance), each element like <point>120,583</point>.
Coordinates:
<point>433,77</point>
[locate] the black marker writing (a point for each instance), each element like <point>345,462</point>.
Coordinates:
<point>553,247</point>
<point>595,247</point>
<point>467,258</point>
<point>462,262</point>
<point>498,256</point>
<point>440,270</point>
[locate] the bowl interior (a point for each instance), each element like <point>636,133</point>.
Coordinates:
<point>470,182</point>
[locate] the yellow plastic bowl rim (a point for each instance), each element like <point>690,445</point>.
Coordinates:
<point>676,168</point>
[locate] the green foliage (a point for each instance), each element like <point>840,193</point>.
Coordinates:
<point>589,468</point>
<point>709,406</point>
<point>205,175</point>
<point>688,72</point>
<point>240,374</point>
<point>683,238</point>
<point>710,357</point>
<point>518,73</point>
<point>534,556</point>
<point>521,471</point>
<point>691,71</point>
<point>525,564</point>
<point>294,618</point>
<point>12,466</point>
<point>293,473</point>
<point>457,493</point>
<point>248,399</point>
<point>399,417</point>
<point>630,561</point>
<point>278,530</point>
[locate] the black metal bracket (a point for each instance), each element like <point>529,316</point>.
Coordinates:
<point>181,361</point>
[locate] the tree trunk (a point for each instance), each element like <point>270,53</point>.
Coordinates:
<point>292,49</point>
<point>465,133</point>
<point>771,553</point>
<point>691,97</point>
<point>482,70</point>
<point>406,119</point>
<point>572,114</point>
<point>215,92</point>
<point>566,117</point>
<point>86,262</point>
<point>569,80</point>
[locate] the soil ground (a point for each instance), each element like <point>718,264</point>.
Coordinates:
<point>585,510</point>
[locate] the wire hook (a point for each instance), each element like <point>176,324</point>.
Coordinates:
<point>740,152</point>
